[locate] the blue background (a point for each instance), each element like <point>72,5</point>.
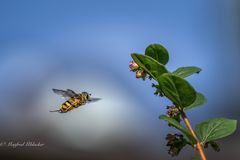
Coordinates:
<point>86,45</point>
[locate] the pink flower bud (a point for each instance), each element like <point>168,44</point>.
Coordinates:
<point>133,66</point>
<point>140,73</point>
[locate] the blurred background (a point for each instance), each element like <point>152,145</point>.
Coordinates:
<point>85,45</point>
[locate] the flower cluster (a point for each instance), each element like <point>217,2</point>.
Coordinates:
<point>173,112</point>
<point>140,73</point>
<point>214,145</point>
<point>176,142</point>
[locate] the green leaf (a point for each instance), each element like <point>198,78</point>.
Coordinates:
<point>214,129</point>
<point>200,100</point>
<point>177,89</point>
<point>150,65</point>
<point>157,52</point>
<point>176,124</point>
<point>186,71</point>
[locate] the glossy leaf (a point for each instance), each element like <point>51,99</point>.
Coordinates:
<point>214,129</point>
<point>200,100</point>
<point>177,125</point>
<point>186,71</point>
<point>157,52</point>
<point>178,90</point>
<point>150,65</point>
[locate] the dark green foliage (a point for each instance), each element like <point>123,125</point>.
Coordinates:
<point>186,71</point>
<point>177,125</point>
<point>215,129</point>
<point>178,90</point>
<point>157,52</point>
<point>200,100</point>
<point>158,90</point>
<point>151,66</point>
<point>183,97</point>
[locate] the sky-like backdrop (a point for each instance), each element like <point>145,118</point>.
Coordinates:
<point>85,45</point>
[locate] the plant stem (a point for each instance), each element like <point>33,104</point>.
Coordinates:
<point>198,145</point>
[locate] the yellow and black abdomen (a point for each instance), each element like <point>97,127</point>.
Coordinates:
<point>66,106</point>
<point>73,103</point>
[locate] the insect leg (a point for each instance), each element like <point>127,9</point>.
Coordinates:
<point>56,111</point>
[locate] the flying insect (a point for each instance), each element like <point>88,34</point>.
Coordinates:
<point>74,99</point>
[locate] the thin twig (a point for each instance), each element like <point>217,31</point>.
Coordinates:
<point>199,147</point>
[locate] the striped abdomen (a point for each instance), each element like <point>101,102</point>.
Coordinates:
<point>73,103</point>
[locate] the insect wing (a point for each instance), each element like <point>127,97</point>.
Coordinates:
<point>94,99</point>
<point>71,93</point>
<point>68,93</point>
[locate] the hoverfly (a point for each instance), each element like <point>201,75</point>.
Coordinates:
<point>74,99</point>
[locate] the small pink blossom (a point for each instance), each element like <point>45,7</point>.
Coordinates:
<point>133,66</point>
<point>140,73</point>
